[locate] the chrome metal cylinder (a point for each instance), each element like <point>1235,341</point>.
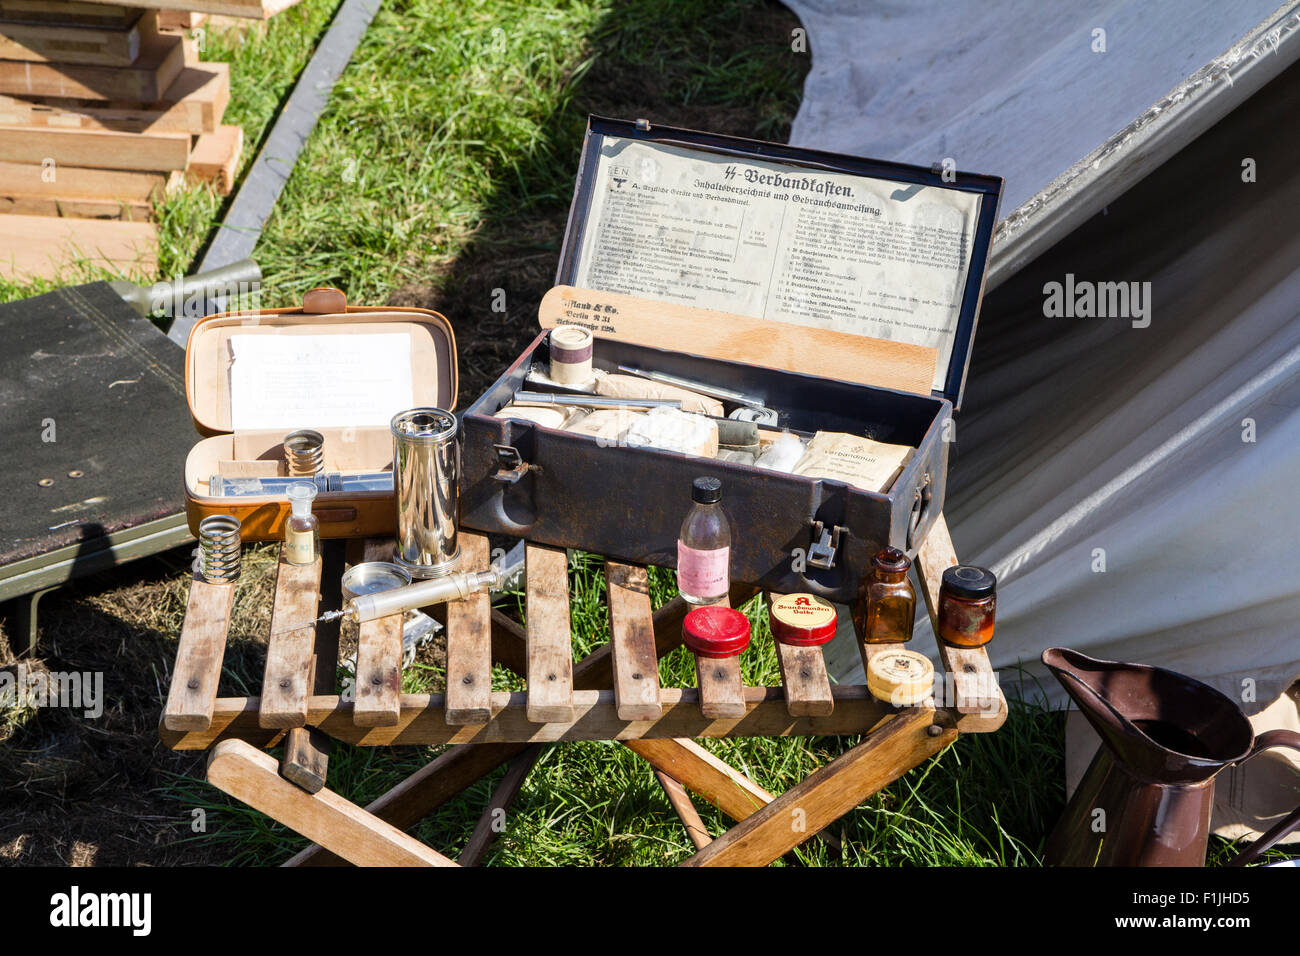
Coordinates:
<point>304,452</point>
<point>426,469</point>
<point>218,560</point>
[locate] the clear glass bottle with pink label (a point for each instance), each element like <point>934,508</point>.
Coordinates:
<point>704,546</point>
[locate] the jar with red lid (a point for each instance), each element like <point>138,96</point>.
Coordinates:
<point>967,602</point>
<point>885,608</point>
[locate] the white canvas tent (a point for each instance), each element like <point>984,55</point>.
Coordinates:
<point>1168,455</point>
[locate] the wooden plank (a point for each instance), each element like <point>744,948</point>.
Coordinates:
<point>245,9</point>
<point>469,642</point>
<point>69,43</point>
<point>215,158</point>
<point>102,149</point>
<point>379,672</point>
<point>832,791</point>
<point>160,61</point>
<point>803,675</point>
<point>502,798</point>
<point>70,11</point>
<point>680,801</point>
<point>423,720</point>
<point>45,247</point>
<point>250,776</point>
<point>546,622</point>
<point>973,681</point>
<point>380,649</point>
<point>722,692</point>
<point>305,758</point>
<point>199,653</point>
<point>76,208</point>
<point>632,642</point>
<point>26,179</point>
<point>794,348</point>
<point>194,103</point>
<point>178,21</point>
<point>286,683</point>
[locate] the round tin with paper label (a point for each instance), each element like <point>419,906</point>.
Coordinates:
<point>900,677</point>
<point>715,631</point>
<point>571,352</point>
<point>801,619</point>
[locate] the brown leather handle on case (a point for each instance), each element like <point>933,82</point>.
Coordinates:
<point>324,300</point>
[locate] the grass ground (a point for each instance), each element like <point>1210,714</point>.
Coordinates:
<point>440,173</point>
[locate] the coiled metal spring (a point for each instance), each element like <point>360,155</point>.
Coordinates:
<point>304,452</point>
<point>217,559</point>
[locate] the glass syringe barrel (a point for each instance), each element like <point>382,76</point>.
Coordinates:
<point>222,486</point>
<point>453,587</point>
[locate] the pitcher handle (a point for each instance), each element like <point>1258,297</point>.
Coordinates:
<point>1266,741</point>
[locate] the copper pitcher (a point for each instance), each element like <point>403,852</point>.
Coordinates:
<point>1145,799</point>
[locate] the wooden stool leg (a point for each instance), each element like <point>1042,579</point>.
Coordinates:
<point>710,778</point>
<point>502,797</point>
<point>686,812</point>
<point>250,775</point>
<point>829,793</point>
<point>424,791</point>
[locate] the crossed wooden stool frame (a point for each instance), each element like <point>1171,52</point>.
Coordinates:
<point>612,694</point>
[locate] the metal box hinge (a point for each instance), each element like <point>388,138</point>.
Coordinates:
<point>825,544</point>
<point>510,464</point>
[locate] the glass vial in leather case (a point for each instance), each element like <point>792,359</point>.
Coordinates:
<point>886,605</point>
<point>704,546</point>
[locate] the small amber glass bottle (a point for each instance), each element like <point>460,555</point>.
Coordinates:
<point>967,602</point>
<point>886,604</point>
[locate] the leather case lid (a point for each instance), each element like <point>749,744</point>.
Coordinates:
<point>208,352</point>
<point>818,273</point>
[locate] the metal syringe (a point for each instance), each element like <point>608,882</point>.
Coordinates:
<point>452,587</point>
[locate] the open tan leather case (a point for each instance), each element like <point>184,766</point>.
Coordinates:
<point>350,449</point>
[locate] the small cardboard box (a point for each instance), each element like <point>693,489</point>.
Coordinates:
<point>357,440</point>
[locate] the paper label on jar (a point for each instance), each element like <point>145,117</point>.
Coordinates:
<point>702,573</point>
<point>298,547</point>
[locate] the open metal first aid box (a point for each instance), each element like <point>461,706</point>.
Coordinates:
<point>843,292</point>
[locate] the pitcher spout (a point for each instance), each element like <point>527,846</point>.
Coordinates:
<point>1157,724</point>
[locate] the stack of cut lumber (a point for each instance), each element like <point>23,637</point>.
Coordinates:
<point>104,107</point>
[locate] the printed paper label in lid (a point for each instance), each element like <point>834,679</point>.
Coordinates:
<point>800,246</point>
